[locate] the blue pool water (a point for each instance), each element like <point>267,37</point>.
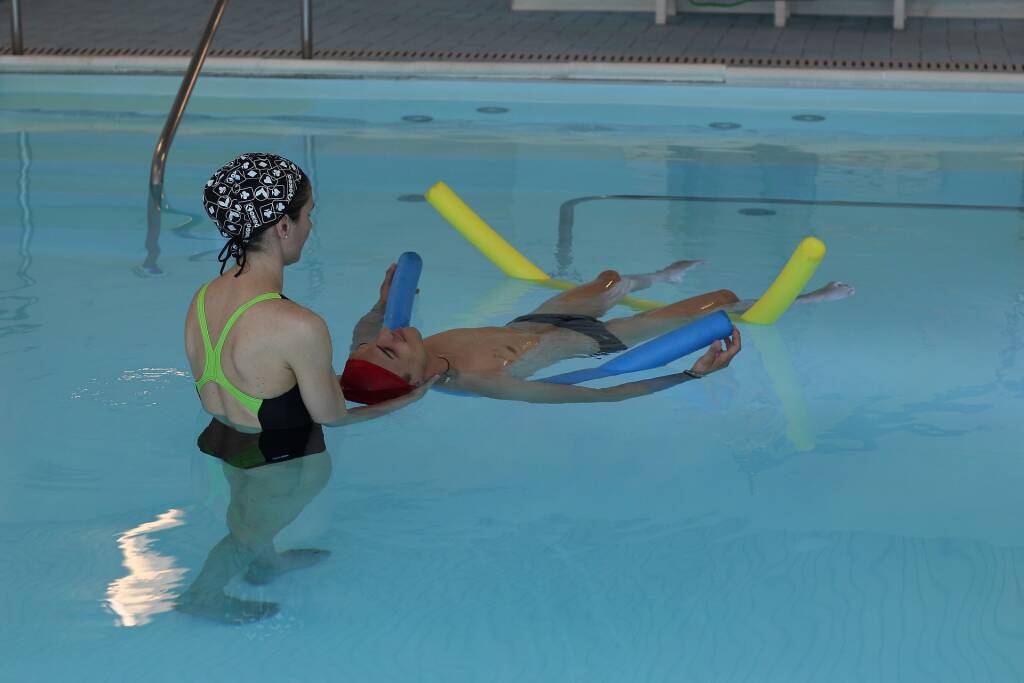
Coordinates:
<point>836,506</point>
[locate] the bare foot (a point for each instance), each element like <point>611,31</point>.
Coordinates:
<point>289,560</point>
<point>225,609</point>
<point>833,291</point>
<point>674,272</point>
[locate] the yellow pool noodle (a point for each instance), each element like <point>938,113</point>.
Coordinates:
<point>482,236</point>
<point>787,286</point>
<point>799,425</point>
<point>497,250</point>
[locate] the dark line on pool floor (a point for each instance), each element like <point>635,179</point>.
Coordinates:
<point>567,212</point>
<point>571,203</point>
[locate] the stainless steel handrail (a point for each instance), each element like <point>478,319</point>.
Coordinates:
<point>16,45</point>
<point>163,144</point>
<point>307,29</point>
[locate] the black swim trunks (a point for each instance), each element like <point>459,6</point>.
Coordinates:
<point>584,324</point>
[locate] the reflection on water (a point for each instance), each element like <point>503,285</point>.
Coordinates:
<point>152,577</point>
<point>16,307</point>
<point>272,476</point>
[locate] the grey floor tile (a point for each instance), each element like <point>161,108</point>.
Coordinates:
<point>461,25</point>
<point>764,39</point>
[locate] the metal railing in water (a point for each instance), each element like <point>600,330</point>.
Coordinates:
<point>163,145</point>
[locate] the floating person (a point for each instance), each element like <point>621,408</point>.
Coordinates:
<point>495,362</point>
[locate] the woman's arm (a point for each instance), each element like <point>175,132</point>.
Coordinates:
<point>363,413</point>
<point>309,354</point>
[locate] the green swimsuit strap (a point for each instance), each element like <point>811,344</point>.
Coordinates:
<point>213,372</point>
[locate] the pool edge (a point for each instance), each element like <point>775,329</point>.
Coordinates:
<point>563,71</point>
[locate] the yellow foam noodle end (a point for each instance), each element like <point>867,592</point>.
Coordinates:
<point>482,236</point>
<point>787,286</point>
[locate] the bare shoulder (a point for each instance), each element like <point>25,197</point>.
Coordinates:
<point>301,329</point>
<point>298,321</point>
<point>191,321</point>
<point>193,302</point>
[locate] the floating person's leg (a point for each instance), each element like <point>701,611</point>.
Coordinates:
<point>833,291</point>
<point>643,326</point>
<point>596,297</point>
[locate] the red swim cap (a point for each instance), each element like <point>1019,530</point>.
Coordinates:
<point>366,382</point>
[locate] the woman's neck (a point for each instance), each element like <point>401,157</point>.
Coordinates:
<point>263,272</point>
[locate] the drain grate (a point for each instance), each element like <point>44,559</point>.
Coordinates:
<point>472,56</point>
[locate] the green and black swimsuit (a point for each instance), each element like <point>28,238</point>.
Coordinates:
<point>246,450</point>
<point>286,411</point>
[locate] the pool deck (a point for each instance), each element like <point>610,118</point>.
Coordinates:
<point>488,31</point>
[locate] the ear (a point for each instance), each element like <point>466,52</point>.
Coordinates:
<point>283,227</point>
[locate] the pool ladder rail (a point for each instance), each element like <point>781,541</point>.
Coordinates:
<point>163,144</point>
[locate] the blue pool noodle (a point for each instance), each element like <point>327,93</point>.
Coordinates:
<point>657,352</point>
<point>398,311</point>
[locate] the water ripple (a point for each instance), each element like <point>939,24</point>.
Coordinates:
<point>137,387</point>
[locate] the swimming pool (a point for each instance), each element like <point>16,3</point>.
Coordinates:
<point>838,505</point>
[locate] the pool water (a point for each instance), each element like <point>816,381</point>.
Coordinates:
<point>838,505</point>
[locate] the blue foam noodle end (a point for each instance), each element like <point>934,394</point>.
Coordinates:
<point>671,345</point>
<point>398,311</point>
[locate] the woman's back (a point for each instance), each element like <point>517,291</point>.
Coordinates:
<point>252,370</point>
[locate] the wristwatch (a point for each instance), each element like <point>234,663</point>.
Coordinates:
<point>691,373</point>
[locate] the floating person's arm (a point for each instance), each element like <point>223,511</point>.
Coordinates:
<point>512,389</point>
<point>369,325</point>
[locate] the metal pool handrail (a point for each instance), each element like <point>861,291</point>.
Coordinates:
<point>307,29</point>
<point>16,45</point>
<point>163,144</point>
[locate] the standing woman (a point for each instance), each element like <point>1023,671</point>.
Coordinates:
<point>263,370</point>
<point>260,360</point>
